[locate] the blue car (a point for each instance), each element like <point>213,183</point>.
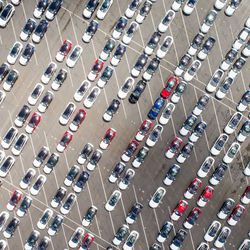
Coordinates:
<point>155,110</point>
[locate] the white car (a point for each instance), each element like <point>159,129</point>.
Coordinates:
<point>228,59</point>
<point>120,234</point>
<point>224,88</point>
<point>182,64</point>
<point>94,159</point>
<point>231,8</point>
<point>74,56</point>
<point>157,197</point>
<point>55,225</point>
<point>108,48</point>
<point>154,135</point>
<point>125,181</point>
<point>29,175</point>
<point>241,38</point>
<point>176,5</point>
<point>86,151</point>
<point>7,140</point>
<point>91,98</point>
<point>90,214</point>
<point>201,104</point>
<point>233,123</point>
<point>205,167</point>
<point>6,166</point>
<point>195,44</point>
<point>132,8</point>
<point>222,237</point>
<point>118,54</point>
<point>3,244</point>
<point>76,237</point>
<point>53,8</point>
<point>49,72</point>
<point>246,50</point>
<point>226,208</point>
<point>16,2</point>
<point>214,81</point>
<point>90,8</point>
<point>41,179</point>
<point>27,54</point>
<point>40,8</point>
<point>128,36</point>
<point>237,67</point>
<point>35,94</point>
<point>119,27</point>
<point>236,214</point>
<point>245,198</point>
<point>44,219</point>
<point>103,10</point>
<point>66,114</point>
<point>247,169</point>
<point>188,124</point>
<point>231,152</point>
<point>90,31</point>
<point>19,145</point>
<point>81,91</point>
<point>206,48</point>
<point>143,12</point>
<point>197,131</point>
<point>185,152</point>
<point>6,14</point>
<point>107,138</point>
<point>113,200</point>
<point>131,240</point>
<point>167,113</point>
<point>208,21</point>
<point>244,132</point>
<point>212,231</point>
<point>69,202</point>
<point>4,215</point>
<point>14,52</point>
<point>245,244</point>
<point>219,4</point>
<point>166,21</point>
<point>24,206</point>
<point>189,6</point>
<point>41,156</point>
<point>128,84</point>
<point>165,46</point>
<point>191,72</point>
<point>117,171</point>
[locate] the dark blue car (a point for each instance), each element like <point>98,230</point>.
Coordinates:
<point>154,111</point>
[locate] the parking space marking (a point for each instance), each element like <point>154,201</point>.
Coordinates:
<point>32,145</point>
<point>143,228</point>
<point>218,39</point>
<point>191,239</point>
<point>157,223</point>
<point>47,43</point>
<point>169,211</point>
<point>1,41</point>
<point>46,140</point>
<point>57,25</point>
<point>13,28</point>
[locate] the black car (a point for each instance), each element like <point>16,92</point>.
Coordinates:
<point>111,110</point>
<point>71,176</point>
<point>178,239</point>
<point>44,243</point>
<point>58,197</point>
<point>51,163</point>
<point>4,70</point>
<point>11,227</point>
<point>22,115</point>
<point>81,181</point>
<point>135,95</point>
<point>28,29</point>
<point>33,238</point>
<point>40,31</point>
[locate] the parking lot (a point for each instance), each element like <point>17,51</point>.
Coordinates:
<point>70,24</point>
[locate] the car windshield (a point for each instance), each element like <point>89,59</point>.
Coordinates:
<point>75,53</point>
<point>95,158</point>
<point>134,5</point>
<point>92,4</point>
<point>105,6</point>
<point>36,92</point>
<point>9,135</point>
<point>210,18</point>
<point>6,12</point>
<point>15,50</point>
<point>20,142</point>
<point>40,28</point>
<point>27,52</point>
<point>49,70</point>
<point>92,96</point>
<point>167,19</point>
<point>109,46</point>
<point>42,4</point>
<point>121,25</point>
<point>131,30</point>
<point>54,6</point>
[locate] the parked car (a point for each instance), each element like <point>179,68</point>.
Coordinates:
<point>24,206</point>
<point>95,158</point>
<point>126,180</point>
<point>118,54</point>
<point>123,91</point>
<point>246,50</point>
<point>49,72</point>
<point>64,142</point>
<point>212,231</point>
<point>8,139</point>
<point>119,27</point>
<point>6,166</point>
<point>178,92</point>
<point>143,130</point>
<point>214,81</point>
<point>183,64</point>
<point>218,174</point>
<point>205,196</point>
<point>130,150</point>
<point>14,53</point>
<point>40,31</point>
<point>208,21</point>
<point>244,132</point>
<point>105,77</point>
<point>192,218</point>
<point>206,48</point>
<point>225,209</point>
<point>128,36</point>
<point>82,90</point>
<point>158,105</point>
<point>169,87</point>
<point>64,50</point>
<point>77,121</point>
<point>113,200</point>
<point>191,72</point>
<point>71,176</point>
<point>139,65</point>
<point>68,203</point>
<point>86,151</point>
<point>152,43</point>
<point>246,170</point>
<point>27,54</point>
<point>222,237</point>
<point>90,8</point>
<point>74,56</point>
<point>76,237</point>
<point>27,178</point>
<point>111,110</point>
<point>11,227</point>
<point>166,21</point>
<point>55,225</point>
<point>231,152</point>
<point>143,12</point>
<point>90,31</point>
<point>138,90</point>
<point>53,8</point>
<point>44,219</point>
<point>108,48</point>
<point>198,131</point>
<point>44,243</point>
<point>185,152</point>
<point>6,14</point>
<point>19,145</point>
<point>2,156</point>
<point>179,210</point>
<point>157,197</point>
<point>22,116</point>
<point>10,80</point>
<point>33,123</point>
<point>95,70</point>
<point>4,70</point>
<point>41,156</point>
<point>68,111</point>
<point>192,188</point>
<point>51,163</point>
<point>188,124</point>
<point>205,167</point>
<point>244,245</point>
<point>237,67</point>
<point>219,144</point>
<point>134,212</point>
<point>81,181</point>
<point>154,135</point>
<point>244,101</point>
<point>131,240</point>
<point>108,137</point>
<point>120,234</point>
<point>219,4</point>
<point>117,171</point>
<point>59,79</point>
<point>87,219</point>
<point>189,7</point>
<point>15,198</point>
<point>245,198</point>
<point>27,29</point>
<point>235,215</point>
<point>103,10</point>
<point>165,231</point>
<point>40,8</point>
<point>152,67</point>
<point>4,216</point>
<point>41,179</point>
<point>46,101</point>
<point>233,123</point>
<point>228,59</point>
<point>87,241</point>
<point>35,94</point>
<point>233,5</point>
<point>165,46</point>
<point>180,236</point>
<point>58,197</point>
<point>132,8</point>
<point>196,44</point>
<point>173,148</point>
<point>170,177</point>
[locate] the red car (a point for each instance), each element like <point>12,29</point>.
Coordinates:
<point>108,137</point>
<point>205,196</point>
<point>130,150</point>
<point>78,119</point>
<point>169,87</point>
<point>143,130</point>
<point>63,51</point>
<point>192,188</point>
<point>179,210</point>
<point>15,198</point>
<point>245,198</point>
<point>97,67</point>
<point>192,218</point>
<point>87,241</point>
<point>62,145</point>
<point>235,215</point>
<point>33,122</point>
<point>173,148</point>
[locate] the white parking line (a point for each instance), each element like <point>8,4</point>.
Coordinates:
<point>46,140</point>
<point>47,43</point>
<point>1,41</point>
<point>218,39</point>
<point>191,239</point>
<point>143,228</point>
<point>169,211</point>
